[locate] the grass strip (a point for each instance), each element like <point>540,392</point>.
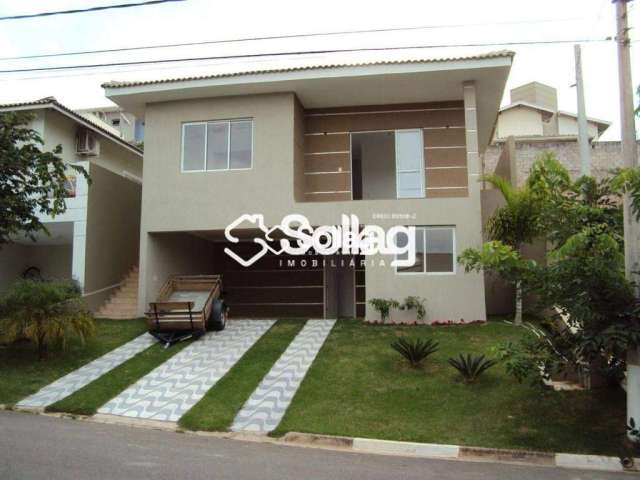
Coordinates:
<point>22,374</point>
<point>91,397</point>
<point>218,408</point>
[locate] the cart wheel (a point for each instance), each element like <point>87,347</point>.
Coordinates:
<point>218,318</point>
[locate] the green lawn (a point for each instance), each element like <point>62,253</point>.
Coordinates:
<point>220,405</point>
<point>21,374</point>
<point>358,386</point>
<point>87,400</point>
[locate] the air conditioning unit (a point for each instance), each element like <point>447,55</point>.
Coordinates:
<point>86,143</point>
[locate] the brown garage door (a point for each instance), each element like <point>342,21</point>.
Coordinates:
<point>275,286</point>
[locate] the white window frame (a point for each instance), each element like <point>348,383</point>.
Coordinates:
<point>426,228</point>
<point>421,170</point>
<point>204,160</point>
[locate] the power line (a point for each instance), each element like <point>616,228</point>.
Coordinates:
<point>301,52</point>
<point>85,10</point>
<point>288,37</point>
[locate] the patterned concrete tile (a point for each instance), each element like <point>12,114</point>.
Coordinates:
<point>266,406</point>
<point>65,386</point>
<point>170,390</point>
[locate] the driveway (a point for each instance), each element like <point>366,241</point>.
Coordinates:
<point>40,447</point>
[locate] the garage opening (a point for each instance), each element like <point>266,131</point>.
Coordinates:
<point>274,286</point>
<point>50,256</point>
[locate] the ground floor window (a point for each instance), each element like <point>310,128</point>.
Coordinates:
<point>435,251</point>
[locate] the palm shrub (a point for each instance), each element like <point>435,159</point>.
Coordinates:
<point>49,313</point>
<point>415,351</point>
<point>471,366</point>
<point>417,304</point>
<point>514,224</point>
<point>383,306</point>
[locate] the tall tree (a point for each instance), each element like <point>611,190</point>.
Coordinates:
<point>32,181</point>
<point>516,223</point>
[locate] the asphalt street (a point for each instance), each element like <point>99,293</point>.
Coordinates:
<point>42,447</point>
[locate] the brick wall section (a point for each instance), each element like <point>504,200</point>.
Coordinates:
<point>604,156</point>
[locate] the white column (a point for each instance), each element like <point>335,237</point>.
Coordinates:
<point>474,171</point>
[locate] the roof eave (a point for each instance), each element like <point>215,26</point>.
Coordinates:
<point>113,91</point>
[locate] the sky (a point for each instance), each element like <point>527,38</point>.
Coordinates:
<point>448,23</point>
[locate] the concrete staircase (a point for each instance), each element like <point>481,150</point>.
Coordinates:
<point>124,301</point>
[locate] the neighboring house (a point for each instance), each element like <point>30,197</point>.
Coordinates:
<point>533,113</point>
<point>96,240</point>
<point>117,121</point>
<point>393,142</point>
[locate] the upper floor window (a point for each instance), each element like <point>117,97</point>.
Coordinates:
<point>217,145</point>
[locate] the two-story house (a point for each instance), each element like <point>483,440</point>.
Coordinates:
<point>95,241</point>
<point>392,142</point>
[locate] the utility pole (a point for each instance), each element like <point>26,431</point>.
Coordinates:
<point>630,157</point>
<point>583,132</point>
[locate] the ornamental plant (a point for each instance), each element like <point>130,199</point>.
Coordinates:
<point>49,313</point>
<point>415,351</point>
<point>415,303</point>
<point>384,305</point>
<point>471,366</point>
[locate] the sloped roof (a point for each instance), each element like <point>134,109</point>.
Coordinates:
<point>319,66</point>
<point>602,124</point>
<point>51,102</point>
<point>526,105</point>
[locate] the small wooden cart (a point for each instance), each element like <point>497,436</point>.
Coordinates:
<point>187,306</point>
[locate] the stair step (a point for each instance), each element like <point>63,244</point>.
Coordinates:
<point>123,303</point>
<point>127,294</point>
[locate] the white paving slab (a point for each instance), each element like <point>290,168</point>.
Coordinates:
<point>266,406</point>
<point>170,390</point>
<point>74,381</point>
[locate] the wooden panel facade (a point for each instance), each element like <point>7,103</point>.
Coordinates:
<point>327,146</point>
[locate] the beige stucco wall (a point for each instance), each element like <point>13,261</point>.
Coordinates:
<point>519,121</point>
<point>113,226</point>
<point>61,130</point>
<point>569,126</point>
<point>174,201</point>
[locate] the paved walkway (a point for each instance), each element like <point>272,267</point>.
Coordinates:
<point>74,381</point>
<point>170,390</point>
<point>266,406</point>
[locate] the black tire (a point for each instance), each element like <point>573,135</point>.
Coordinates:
<point>218,317</point>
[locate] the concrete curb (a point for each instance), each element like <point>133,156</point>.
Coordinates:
<point>456,452</point>
<point>374,446</point>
